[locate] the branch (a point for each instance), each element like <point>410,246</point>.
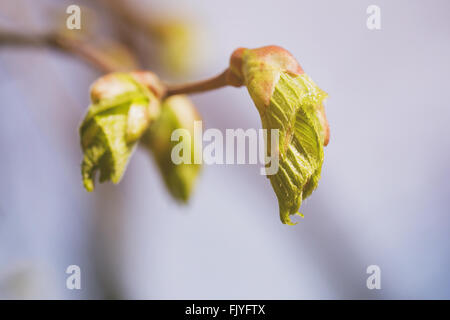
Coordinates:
<point>76,47</point>
<point>200,86</point>
<point>105,63</point>
<point>226,78</point>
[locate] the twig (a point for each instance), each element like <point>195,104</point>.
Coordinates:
<point>201,86</point>
<point>103,62</point>
<point>76,47</point>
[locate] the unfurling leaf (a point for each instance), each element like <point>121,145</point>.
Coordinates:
<point>123,105</point>
<point>288,100</point>
<point>177,112</point>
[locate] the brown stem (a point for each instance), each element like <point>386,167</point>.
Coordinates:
<point>83,50</point>
<point>105,64</point>
<point>76,47</point>
<point>216,82</point>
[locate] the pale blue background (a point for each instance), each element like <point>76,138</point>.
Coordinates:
<point>383,198</point>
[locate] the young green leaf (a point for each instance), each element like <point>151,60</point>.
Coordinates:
<point>287,100</point>
<point>177,112</point>
<point>123,105</point>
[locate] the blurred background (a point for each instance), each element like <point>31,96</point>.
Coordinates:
<point>384,194</point>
